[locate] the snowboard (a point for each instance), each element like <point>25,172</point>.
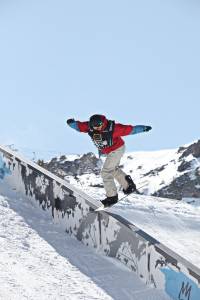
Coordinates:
<point>103,207</point>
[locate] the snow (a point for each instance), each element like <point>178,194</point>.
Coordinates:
<point>139,165</point>
<point>40,261</point>
<point>168,159</point>
<point>174,223</point>
<point>164,163</point>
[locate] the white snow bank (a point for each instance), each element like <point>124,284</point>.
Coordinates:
<point>39,261</point>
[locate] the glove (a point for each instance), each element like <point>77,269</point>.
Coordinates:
<point>147,128</point>
<point>70,121</point>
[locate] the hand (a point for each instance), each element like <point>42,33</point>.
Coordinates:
<point>70,121</point>
<point>147,128</point>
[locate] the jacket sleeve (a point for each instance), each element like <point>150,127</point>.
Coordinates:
<point>122,130</point>
<point>83,126</point>
<point>79,126</point>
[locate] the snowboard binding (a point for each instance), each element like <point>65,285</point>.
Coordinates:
<point>109,201</point>
<point>131,186</point>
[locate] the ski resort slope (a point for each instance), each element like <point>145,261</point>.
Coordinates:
<point>40,261</point>
<point>174,223</point>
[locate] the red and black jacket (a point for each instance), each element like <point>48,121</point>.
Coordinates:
<point>108,138</point>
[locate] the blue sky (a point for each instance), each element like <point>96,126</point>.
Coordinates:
<point>137,62</point>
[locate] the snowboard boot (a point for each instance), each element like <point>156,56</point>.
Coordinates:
<point>110,200</point>
<point>131,186</point>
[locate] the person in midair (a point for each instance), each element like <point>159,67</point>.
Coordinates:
<point>106,135</point>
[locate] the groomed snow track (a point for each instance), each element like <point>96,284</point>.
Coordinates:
<point>109,233</point>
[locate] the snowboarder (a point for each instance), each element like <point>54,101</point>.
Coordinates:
<point>106,135</point>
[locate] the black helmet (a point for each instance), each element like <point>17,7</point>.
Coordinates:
<point>95,121</point>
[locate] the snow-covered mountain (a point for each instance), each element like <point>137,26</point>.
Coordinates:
<point>173,173</point>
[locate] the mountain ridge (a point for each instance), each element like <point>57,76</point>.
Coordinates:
<point>173,173</point>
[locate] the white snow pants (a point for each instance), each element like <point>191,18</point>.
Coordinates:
<point>111,171</point>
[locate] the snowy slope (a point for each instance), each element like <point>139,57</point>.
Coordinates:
<point>39,261</point>
<point>174,223</point>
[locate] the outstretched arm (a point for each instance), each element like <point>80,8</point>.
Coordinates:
<point>77,125</point>
<point>123,130</point>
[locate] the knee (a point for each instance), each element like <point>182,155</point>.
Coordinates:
<point>106,173</point>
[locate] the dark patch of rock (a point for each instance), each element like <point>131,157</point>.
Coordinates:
<point>193,149</point>
<point>185,165</point>
<point>182,187</point>
<point>86,164</point>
